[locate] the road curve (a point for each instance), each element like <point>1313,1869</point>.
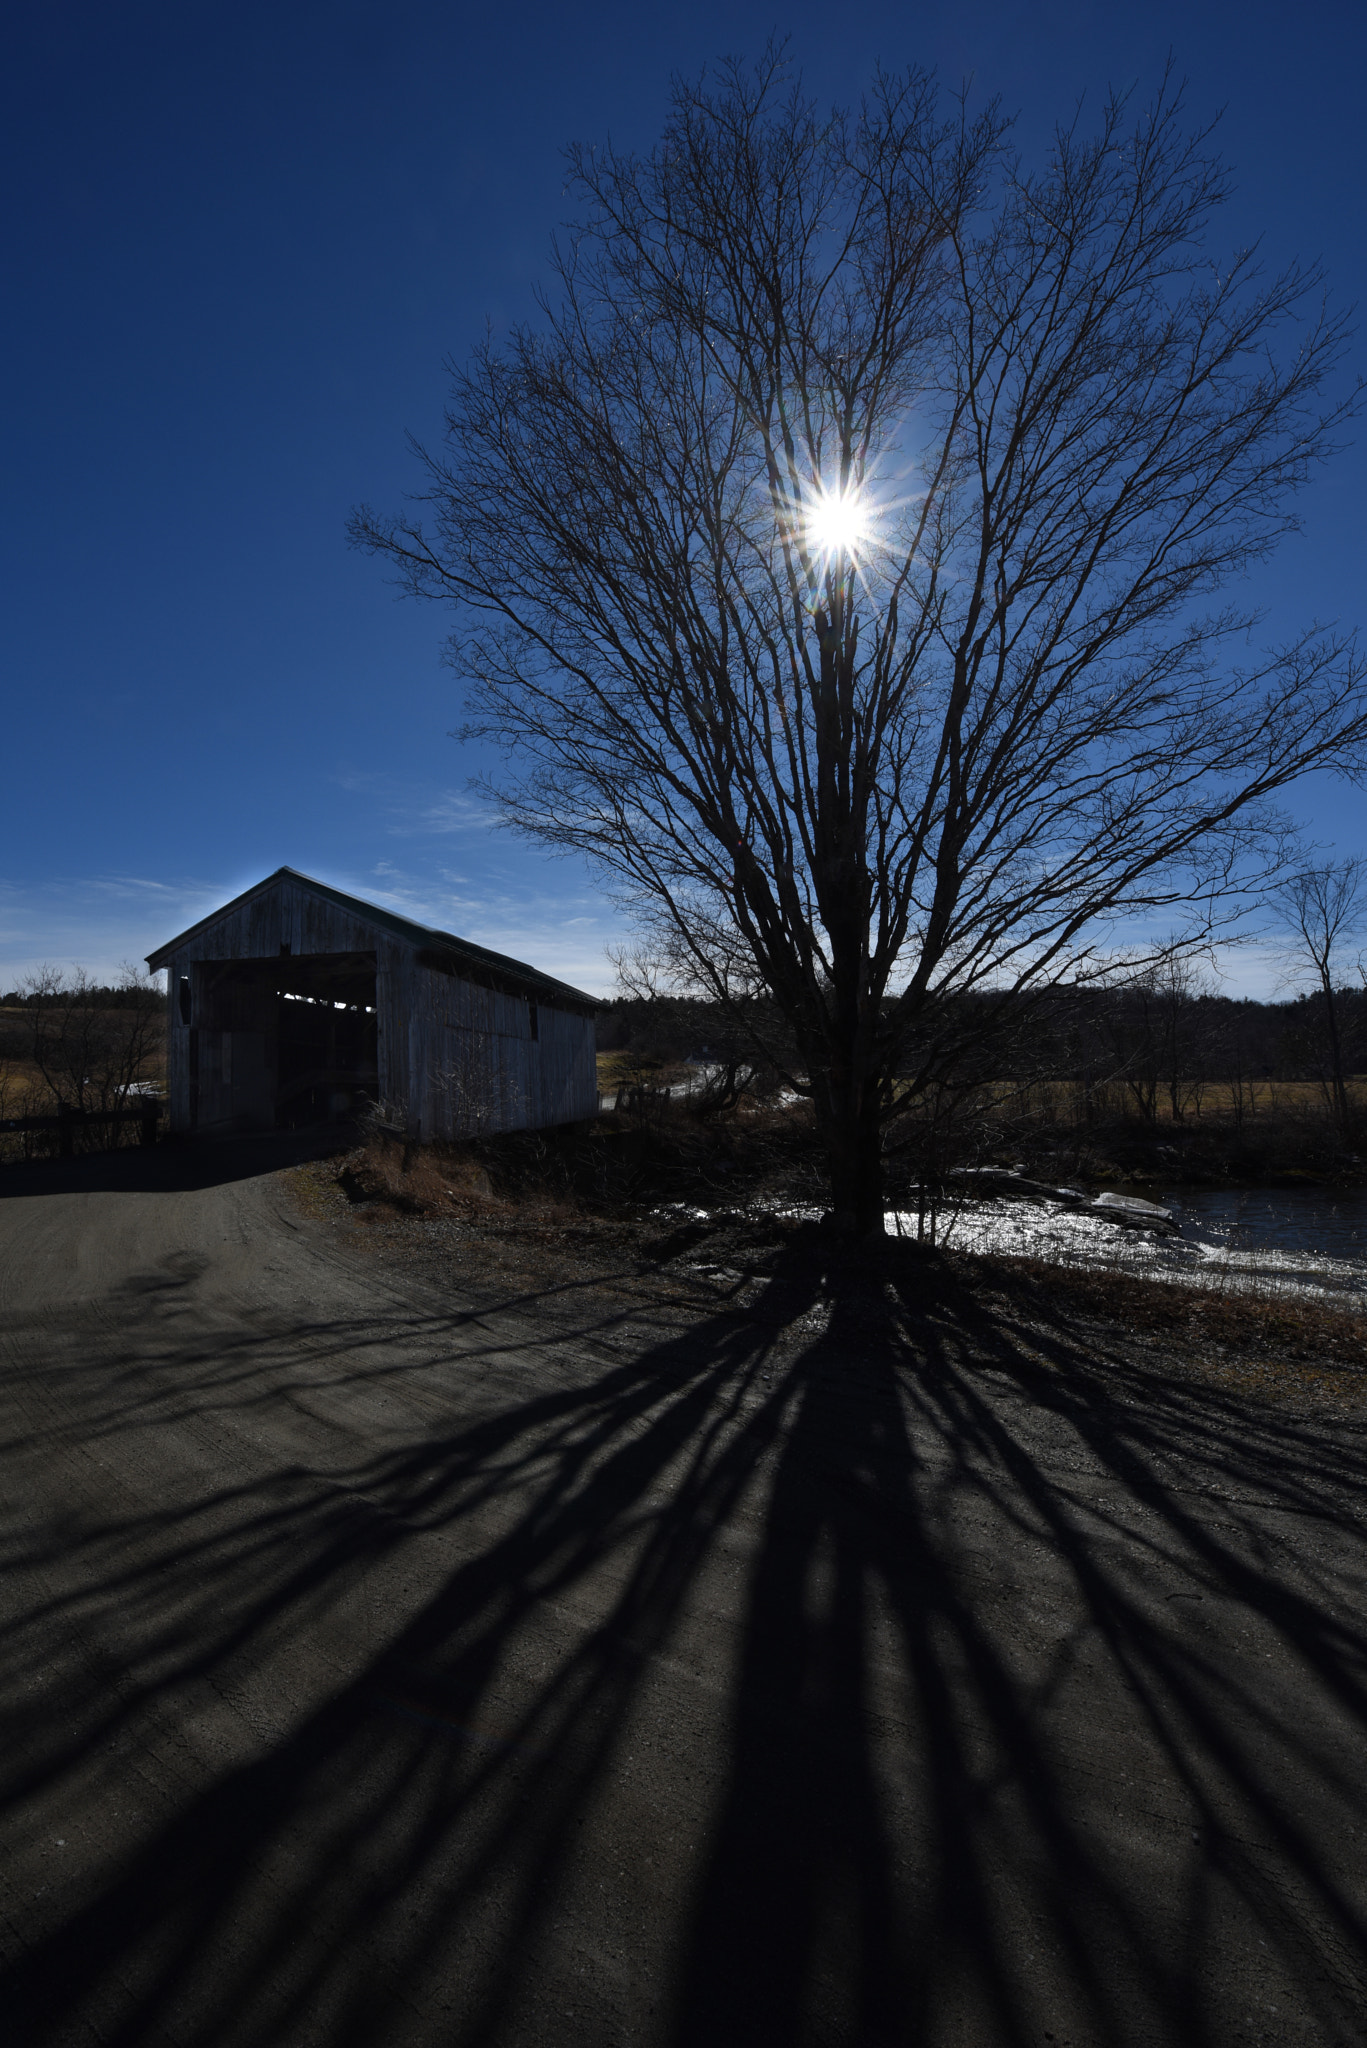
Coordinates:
<point>848,1670</point>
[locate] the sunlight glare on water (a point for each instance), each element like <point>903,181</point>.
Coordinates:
<point>1267,1241</point>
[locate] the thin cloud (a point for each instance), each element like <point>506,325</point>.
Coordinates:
<point>99,922</point>
<point>561,933</point>
<point>102,922</point>
<point>454,812</point>
<point>408,811</point>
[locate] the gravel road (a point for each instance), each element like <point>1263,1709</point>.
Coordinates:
<point>835,1668</point>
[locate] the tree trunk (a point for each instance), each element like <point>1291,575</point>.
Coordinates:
<point>853,1139</point>
<point>1335,1056</point>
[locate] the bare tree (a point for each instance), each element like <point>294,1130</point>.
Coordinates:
<point>1160,1034</point>
<point>1321,909</point>
<point>836,560</point>
<point>92,1044</point>
<point>744,1035</point>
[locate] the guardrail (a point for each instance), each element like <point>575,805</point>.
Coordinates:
<point>68,1121</point>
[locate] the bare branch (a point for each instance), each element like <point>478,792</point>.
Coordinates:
<point>1002,724</point>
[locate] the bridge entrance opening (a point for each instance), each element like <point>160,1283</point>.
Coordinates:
<point>283,1042</point>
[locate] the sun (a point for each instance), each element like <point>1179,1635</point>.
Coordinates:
<point>838,523</point>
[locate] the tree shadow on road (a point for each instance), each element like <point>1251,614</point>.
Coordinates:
<point>864,1666</point>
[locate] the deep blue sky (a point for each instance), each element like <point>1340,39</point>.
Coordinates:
<point>239,241</point>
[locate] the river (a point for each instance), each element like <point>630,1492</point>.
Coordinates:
<point>1290,1241</point>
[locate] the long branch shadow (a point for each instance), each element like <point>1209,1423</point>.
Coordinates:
<point>861,1667</point>
<point>1046,1798</point>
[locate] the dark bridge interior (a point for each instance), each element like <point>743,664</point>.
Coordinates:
<point>282,1042</point>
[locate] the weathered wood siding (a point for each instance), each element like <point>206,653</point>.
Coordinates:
<point>454,1058</point>
<point>476,1066</point>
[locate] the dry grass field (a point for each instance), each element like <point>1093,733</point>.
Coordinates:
<point>93,1064</point>
<point>1219,1101</point>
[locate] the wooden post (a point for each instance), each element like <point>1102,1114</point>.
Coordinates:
<point>66,1117</point>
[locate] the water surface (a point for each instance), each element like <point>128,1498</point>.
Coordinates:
<point>1268,1241</point>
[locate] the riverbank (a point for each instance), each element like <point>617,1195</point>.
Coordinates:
<point>1236,1330</point>
<point>1292,1243</point>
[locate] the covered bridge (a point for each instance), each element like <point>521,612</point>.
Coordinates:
<point>295,1002</point>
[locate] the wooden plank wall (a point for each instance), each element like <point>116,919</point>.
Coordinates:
<point>454,1058</point>
<point>475,1065</point>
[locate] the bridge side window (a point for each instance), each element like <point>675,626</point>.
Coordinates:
<point>184,998</point>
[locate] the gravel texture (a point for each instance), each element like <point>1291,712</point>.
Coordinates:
<point>524,1629</point>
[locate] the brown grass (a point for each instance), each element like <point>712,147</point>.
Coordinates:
<point>1216,1101</point>
<point>1269,1349</point>
<point>17,1076</point>
<point>436,1180</point>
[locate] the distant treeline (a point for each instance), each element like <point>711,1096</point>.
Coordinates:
<point>95,994</point>
<point>1156,1041</point>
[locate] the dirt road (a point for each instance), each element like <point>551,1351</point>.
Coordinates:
<point>843,1668</point>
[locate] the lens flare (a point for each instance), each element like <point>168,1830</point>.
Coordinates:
<point>838,523</point>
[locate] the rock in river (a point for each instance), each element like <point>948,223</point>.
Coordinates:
<point>1129,1209</point>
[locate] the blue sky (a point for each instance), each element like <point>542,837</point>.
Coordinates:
<point>239,242</point>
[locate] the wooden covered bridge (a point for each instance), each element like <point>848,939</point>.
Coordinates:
<point>296,1003</point>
